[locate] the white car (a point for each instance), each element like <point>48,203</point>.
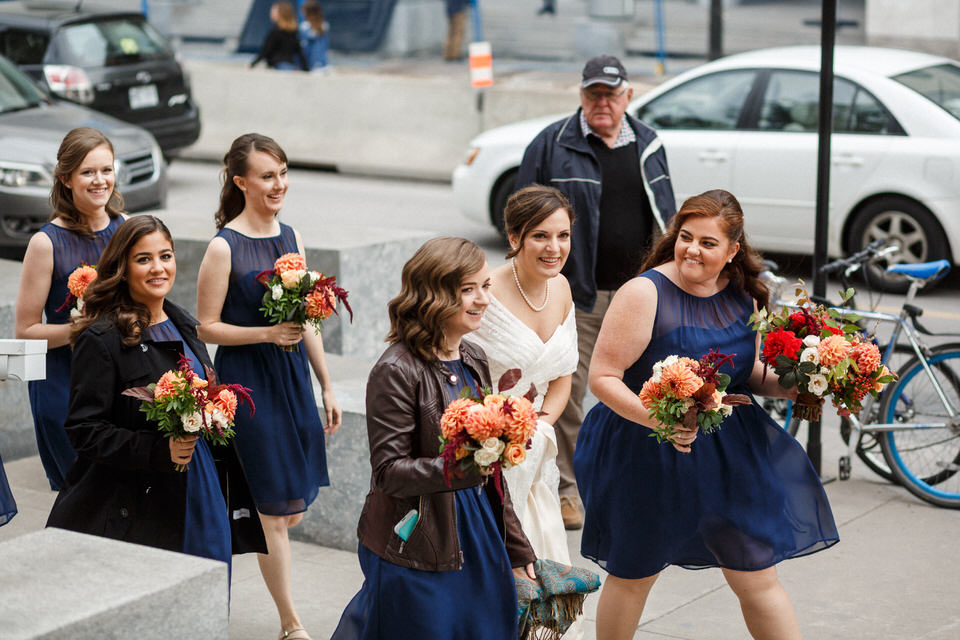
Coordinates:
<point>748,123</point>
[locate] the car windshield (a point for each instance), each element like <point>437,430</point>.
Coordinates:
<point>111,42</point>
<point>940,84</point>
<point>16,90</point>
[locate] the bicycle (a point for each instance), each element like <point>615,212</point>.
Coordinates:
<point>916,420</point>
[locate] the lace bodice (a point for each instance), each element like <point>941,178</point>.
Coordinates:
<point>509,344</point>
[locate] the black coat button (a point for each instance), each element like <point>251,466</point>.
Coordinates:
<point>123,512</point>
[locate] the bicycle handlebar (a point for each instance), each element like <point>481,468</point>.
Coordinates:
<point>875,249</point>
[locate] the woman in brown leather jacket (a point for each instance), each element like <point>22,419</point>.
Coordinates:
<point>452,576</point>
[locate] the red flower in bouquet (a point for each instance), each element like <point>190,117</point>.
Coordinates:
<point>781,342</point>
<point>488,433</point>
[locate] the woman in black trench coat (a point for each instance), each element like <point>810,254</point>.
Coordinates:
<point>124,484</point>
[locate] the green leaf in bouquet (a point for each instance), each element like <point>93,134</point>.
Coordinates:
<point>846,295</point>
<point>852,317</point>
<point>807,367</point>
<point>788,380</point>
<point>723,380</point>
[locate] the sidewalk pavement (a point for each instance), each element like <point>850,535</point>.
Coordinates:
<point>895,574</point>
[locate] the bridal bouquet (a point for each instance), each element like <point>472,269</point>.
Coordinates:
<point>77,283</point>
<point>822,352</point>
<point>184,404</point>
<point>689,392</point>
<point>295,294</point>
<point>489,433</point>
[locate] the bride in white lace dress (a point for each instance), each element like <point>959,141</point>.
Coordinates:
<point>530,325</point>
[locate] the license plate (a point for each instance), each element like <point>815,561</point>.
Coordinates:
<point>143,97</point>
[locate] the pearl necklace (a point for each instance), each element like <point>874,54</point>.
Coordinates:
<point>546,294</point>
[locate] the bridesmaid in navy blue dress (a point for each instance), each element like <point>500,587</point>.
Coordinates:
<point>86,213</point>
<point>282,446</point>
<point>742,498</point>
<point>449,575</point>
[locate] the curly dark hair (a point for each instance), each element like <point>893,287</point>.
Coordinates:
<point>430,293</point>
<point>746,267</point>
<point>108,297</point>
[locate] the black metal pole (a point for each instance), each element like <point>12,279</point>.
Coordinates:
<point>828,30</point>
<point>716,30</point>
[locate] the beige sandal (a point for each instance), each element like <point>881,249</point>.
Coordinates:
<point>297,633</point>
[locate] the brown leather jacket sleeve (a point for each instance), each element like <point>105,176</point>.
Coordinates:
<point>393,429</point>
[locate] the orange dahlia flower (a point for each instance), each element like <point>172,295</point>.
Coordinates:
<point>681,379</point>
<point>167,386</point>
<point>867,356</point>
<point>454,417</point>
<point>482,422</point>
<point>320,303</point>
<point>519,419</point>
<point>226,401</point>
<point>290,262</point>
<point>650,393</point>
<point>832,350</point>
<point>80,279</point>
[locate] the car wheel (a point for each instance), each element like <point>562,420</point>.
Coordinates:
<point>905,223</point>
<point>498,201</point>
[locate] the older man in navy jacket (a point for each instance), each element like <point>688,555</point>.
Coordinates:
<point>613,169</point>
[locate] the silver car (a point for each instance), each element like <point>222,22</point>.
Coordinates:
<point>32,125</point>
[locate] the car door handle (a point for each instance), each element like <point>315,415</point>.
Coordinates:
<point>848,160</point>
<point>713,156</point>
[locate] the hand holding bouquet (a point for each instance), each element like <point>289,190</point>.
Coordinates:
<point>77,284</point>
<point>295,294</point>
<point>821,352</point>
<point>688,392</point>
<point>184,404</point>
<point>488,433</point>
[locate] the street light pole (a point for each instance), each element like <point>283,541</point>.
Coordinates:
<point>715,49</point>
<point>828,31</point>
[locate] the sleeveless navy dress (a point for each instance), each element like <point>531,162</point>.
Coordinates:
<point>206,527</point>
<point>744,498</point>
<point>282,445</point>
<point>49,397</point>
<point>8,506</point>
<point>476,602</point>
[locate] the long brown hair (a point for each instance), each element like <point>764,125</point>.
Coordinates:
<point>235,163</point>
<point>530,206</point>
<point>313,12</point>
<point>746,266</point>
<point>430,293</point>
<point>73,150</point>
<point>108,297</point>
<point>286,16</point>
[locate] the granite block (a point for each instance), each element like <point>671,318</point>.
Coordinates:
<point>60,584</point>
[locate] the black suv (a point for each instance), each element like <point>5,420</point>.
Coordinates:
<point>114,62</point>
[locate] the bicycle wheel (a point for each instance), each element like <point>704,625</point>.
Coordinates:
<point>925,459</point>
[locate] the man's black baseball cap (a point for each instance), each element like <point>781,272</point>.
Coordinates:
<point>603,70</point>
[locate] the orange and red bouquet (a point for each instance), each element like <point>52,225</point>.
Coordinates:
<point>488,432</point>
<point>689,392</point>
<point>77,283</point>
<point>182,403</point>
<point>295,294</point>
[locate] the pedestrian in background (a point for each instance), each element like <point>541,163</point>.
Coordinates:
<point>282,445</point>
<point>281,48</point>
<point>125,484</point>
<point>456,29</point>
<point>613,170</point>
<point>314,39</point>
<point>87,210</point>
<point>742,498</point>
<point>449,575</point>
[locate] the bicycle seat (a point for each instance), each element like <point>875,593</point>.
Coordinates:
<point>922,270</point>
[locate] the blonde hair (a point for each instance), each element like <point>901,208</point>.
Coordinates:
<point>286,16</point>
<point>430,293</point>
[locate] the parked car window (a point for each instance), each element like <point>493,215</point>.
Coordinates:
<point>16,92</point>
<point>708,102</point>
<point>792,98</point>
<point>23,47</point>
<point>940,84</point>
<point>110,42</point>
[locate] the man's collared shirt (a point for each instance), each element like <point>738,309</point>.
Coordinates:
<point>625,137</point>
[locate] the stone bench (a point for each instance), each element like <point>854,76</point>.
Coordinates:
<point>61,584</point>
